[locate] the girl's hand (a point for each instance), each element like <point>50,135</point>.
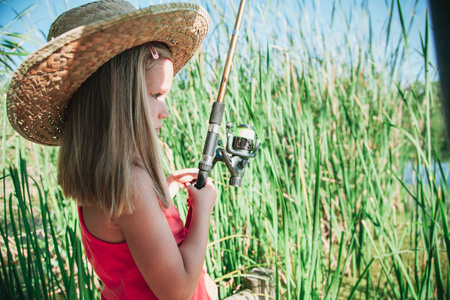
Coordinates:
<point>202,200</point>
<point>179,179</point>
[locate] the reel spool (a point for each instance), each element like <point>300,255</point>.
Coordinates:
<point>241,145</point>
<point>242,142</point>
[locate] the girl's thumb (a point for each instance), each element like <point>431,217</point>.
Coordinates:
<point>189,187</point>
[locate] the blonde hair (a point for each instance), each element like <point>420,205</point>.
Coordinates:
<point>108,131</point>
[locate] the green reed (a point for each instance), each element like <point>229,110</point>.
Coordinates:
<point>324,205</point>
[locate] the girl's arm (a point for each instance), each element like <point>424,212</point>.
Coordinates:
<point>171,272</point>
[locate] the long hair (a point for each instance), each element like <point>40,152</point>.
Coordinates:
<point>108,131</point>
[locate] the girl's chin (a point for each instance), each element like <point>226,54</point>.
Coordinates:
<point>157,131</point>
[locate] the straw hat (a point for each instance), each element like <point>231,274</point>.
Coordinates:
<point>79,42</point>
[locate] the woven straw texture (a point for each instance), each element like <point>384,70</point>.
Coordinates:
<point>45,81</point>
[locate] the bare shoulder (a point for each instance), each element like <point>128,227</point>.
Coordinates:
<point>147,209</point>
<point>142,193</point>
<point>100,225</point>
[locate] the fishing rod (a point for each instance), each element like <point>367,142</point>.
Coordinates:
<point>242,142</point>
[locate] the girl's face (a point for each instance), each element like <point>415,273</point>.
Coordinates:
<point>159,82</point>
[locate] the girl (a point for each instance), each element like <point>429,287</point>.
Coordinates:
<point>97,89</point>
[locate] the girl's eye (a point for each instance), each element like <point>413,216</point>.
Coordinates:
<point>159,96</point>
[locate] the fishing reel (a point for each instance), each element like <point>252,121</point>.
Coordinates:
<point>242,144</point>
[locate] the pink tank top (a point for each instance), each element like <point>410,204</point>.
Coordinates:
<point>114,265</point>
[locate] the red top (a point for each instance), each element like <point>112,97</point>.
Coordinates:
<point>114,265</point>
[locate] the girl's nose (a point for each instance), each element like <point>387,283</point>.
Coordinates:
<point>164,112</point>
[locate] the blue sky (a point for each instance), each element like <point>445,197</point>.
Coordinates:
<point>348,17</point>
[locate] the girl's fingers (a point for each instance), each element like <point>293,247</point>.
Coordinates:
<point>181,177</point>
<point>185,172</point>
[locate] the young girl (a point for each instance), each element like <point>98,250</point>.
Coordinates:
<point>98,90</point>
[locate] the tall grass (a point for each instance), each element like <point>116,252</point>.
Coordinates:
<point>325,204</point>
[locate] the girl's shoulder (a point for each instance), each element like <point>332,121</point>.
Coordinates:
<point>100,225</point>
<point>141,185</point>
<point>145,203</point>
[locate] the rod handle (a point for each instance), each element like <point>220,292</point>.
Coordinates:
<point>201,179</point>
<point>199,184</point>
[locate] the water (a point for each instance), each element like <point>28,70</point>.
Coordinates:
<point>410,174</point>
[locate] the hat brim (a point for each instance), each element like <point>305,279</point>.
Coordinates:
<point>43,84</point>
